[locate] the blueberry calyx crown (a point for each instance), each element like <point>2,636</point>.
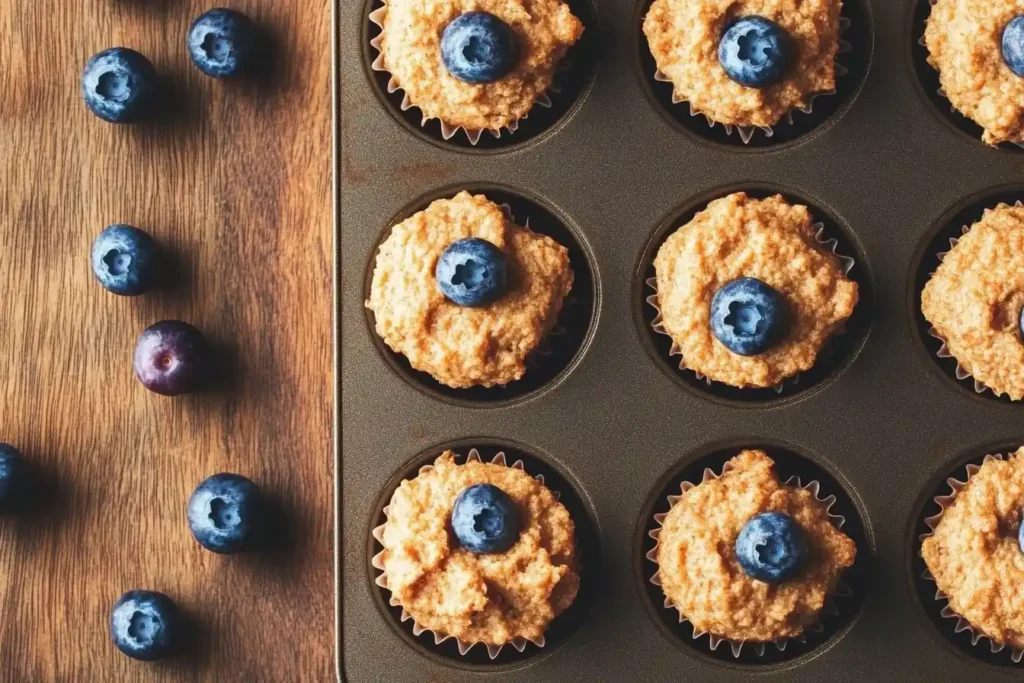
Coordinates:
<point>472,272</point>
<point>755,51</point>
<point>1013,45</point>
<point>748,316</point>
<point>771,547</point>
<point>484,519</point>
<point>478,48</point>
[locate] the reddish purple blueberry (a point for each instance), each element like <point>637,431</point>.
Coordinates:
<point>171,358</point>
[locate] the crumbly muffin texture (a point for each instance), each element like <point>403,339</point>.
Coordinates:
<point>411,49</point>
<point>457,345</point>
<point>697,563</point>
<point>768,239</point>
<point>974,555</point>
<point>488,598</point>
<point>964,41</point>
<point>974,300</point>
<point>683,36</point>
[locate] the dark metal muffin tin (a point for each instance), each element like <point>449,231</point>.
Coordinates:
<point>882,422</point>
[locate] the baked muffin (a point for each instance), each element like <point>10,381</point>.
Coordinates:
<point>747,293</point>
<point>747,558</point>
<point>466,294</point>
<point>976,554</point>
<point>474,64</point>
<point>977,47</point>
<point>480,552</point>
<point>975,299</point>
<point>749,62</point>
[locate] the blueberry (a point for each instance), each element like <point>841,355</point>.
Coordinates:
<point>472,272</point>
<point>485,519</point>
<point>171,358</point>
<point>145,625</point>
<point>754,52</point>
<point>223,513</point>
<point>124,260</point>
<point>11,473</point>
<point>119,85</point>
<point>1013,45</point>
<point>771,547</point>
<point>222,42</point>
<point>478,47</point>
<point>747,316</point>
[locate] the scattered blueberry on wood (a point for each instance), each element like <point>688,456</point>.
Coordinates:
<point>119,85</point>
<point>171,358</point>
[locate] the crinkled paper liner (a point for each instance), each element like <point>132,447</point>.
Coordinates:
<point>944,352</point>
<point>944,502</point>
<point>746,133</point>
<point>832,244</point>
<point>736,646</point>
<point>942,92</point>
<point>382,580</point>
<point>447,131</point>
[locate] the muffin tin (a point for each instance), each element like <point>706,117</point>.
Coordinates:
<point>612,169</point>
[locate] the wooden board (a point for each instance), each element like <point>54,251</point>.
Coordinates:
<point>237,186</point>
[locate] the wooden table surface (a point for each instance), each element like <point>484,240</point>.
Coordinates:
<point>236,184</point>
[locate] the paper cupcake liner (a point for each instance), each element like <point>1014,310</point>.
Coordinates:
<point>944,352</point>
<point>846,264</point>
<point>942,92</point>
<point>746,133</point>
<point>932,522</point>
<point>417,629</point>
<point>448,131</point>
<point>736,646</point>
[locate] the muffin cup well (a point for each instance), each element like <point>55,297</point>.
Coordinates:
<point>953,114</point>
<point>746,133</point>
<point>382,579</point>
<point>830,243</point>
<point>558,352</point>
<point>736,646</point>
<point>448,131</point>
<point>943,350</point>
<point>932,522</point>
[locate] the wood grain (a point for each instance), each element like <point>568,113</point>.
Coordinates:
<point>235,183</point>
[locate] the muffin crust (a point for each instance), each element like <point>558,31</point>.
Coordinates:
<point>974,555</point>
<point>974,300</point>
<point>488,598</point>
<point>461,346</point>
<point>411,51</point>
<point>683,36</point>
<point>964,41</point>
<point>768,239</point>
<point>697,563</point>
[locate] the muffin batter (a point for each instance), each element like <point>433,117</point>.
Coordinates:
<point>459,346</point>
<point>697,562</point>
<point>964,40</point>
<point>974,554</point>
<point>975,297</point>
<point>411,51</point>
<point>488,598</point>
<point>683,36</point>
<point>768,239</point>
